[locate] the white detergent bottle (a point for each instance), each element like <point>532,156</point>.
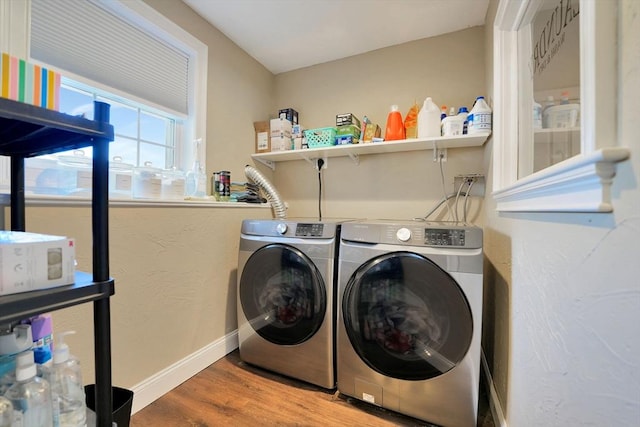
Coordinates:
<point>30,395</point>
<point>429,119</point>
<point>67,388</point>
<point>479,117</point>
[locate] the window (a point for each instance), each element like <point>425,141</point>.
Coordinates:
<point>141,135</point>
<point>152,72</point>
<point>581,182</point>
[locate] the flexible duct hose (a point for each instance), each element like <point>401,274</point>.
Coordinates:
<point>279,209</point>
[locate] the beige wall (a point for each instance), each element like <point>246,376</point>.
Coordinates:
<point>449,68</point>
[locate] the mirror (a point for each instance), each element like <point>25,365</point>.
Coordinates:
<point>551,60</point>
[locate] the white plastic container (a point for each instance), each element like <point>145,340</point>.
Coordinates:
<point>67,388</point>
<point>452,125</point>
<point>120,178</point>
<point>147,182</point>
<point>479,118</point>
<point>562,116</point>
<point>429,120</point>
<point>30,395</point>
<point>173,184</point>
<point>78,169</point>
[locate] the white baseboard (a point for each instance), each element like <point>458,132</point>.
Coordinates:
<point>494,403</point>
<point>166,380</point>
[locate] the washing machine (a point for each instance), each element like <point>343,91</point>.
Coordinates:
<point>409,318</point>
<point>286,298</point>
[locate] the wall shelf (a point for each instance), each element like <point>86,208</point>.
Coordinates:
<point>354,151</point>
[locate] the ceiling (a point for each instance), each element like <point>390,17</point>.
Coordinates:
<point>285,35</point>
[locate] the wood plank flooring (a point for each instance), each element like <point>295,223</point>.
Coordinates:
<point>233,393</point>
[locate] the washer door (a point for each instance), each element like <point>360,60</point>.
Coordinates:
<point>406,317</point>
<point>282,294</point>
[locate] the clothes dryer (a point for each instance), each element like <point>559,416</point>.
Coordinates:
<point>286,298</point>
<point>409,318</point>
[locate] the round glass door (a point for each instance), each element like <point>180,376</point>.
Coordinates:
<point>282,294</point>
<point>406,317</point>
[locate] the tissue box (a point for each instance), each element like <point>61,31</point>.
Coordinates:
<point>29,83</point>
<point>31,261</point>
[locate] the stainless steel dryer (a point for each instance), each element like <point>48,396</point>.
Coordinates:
<point>409,318</point>
<point>286,298</point>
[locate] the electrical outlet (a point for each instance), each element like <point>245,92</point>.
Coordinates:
<point>319,161</point>
<point>477,189</point>
<point>439,154</point>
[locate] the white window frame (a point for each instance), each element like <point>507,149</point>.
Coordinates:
<point>14,39</point>
<point>581,183</point>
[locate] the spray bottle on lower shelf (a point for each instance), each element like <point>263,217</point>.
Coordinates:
<point>30,395</point>
<point>67,389</point>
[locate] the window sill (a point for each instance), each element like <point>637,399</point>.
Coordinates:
<point>50,200</point>
<point>579,184</point>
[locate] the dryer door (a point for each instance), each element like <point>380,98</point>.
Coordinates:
<point>406,317</point>
<point>282,294</point>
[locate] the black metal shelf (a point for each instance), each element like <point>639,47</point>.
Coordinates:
<point>21,306</point>
<point>27,131</point>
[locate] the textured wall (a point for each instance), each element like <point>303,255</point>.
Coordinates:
<point>561,340</point>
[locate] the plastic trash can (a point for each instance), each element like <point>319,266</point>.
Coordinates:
<point>122,401</point>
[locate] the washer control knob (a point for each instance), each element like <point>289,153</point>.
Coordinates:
<point>281,228</point>
<point>403,234</point>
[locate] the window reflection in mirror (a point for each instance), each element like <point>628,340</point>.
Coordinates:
<point>554,73</point>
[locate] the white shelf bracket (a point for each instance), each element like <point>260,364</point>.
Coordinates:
<point>271,165</point>
<point>354,158</point>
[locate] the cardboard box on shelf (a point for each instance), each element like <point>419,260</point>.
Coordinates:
<point>280,128</point>
<point>347,119</point>
<point>32,261</point>
<point>281,143</point>
<point>289,114</point>
<point>263,137</point>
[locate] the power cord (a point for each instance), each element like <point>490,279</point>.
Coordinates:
<point>320,163</point>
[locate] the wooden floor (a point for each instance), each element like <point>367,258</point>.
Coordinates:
<point>232,393</point>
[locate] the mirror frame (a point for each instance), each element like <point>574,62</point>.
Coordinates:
<point>581,183</point>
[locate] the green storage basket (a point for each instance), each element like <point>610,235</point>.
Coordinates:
<point>321,137</point>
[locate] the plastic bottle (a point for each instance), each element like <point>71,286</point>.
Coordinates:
<point>67,388</point>
<point>480,117</point>
<point>537,115</point>
<point>196,178</point>
<point>395,125</point>
<point>443,112</point>
<point>6,412</point>
<point>550,102</point>
<point>463,113</point>
<point>452,125</point>
<point>30,395</point>
<point>564,98</point>
<point>429,120</point>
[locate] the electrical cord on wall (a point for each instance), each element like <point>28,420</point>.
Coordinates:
<point>444,191</point>
<point>320,163</point>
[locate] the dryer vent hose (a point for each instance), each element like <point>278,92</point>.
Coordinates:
<point>279,209</point>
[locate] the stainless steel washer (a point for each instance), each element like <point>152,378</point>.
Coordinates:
<point>409,318</point>
<point>286,297</point>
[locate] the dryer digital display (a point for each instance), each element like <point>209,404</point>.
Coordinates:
<point>444,237</point>
<point>309,230</point>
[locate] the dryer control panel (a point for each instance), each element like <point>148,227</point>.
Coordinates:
<point>438,234</point>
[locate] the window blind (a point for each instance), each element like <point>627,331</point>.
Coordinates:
<point>83,38</point>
